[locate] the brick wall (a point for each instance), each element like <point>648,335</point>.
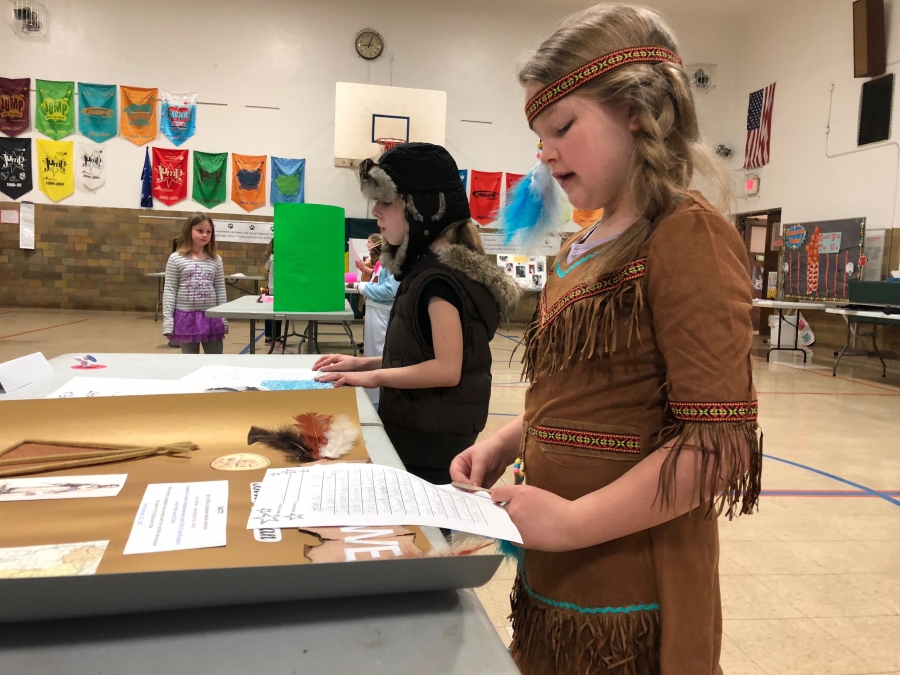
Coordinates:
<point>97,258</point>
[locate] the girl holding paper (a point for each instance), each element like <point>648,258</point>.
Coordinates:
<point>640,425</point>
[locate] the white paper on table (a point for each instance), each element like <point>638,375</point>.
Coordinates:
<point>89,387</point>
<point>248,377</point>
<point>9,216</point>
<point>342,494</point>
<point>179,516</point>
<point>23,370</point>
<point>237,274</point>
<point>61,487</point>
<point>26,225</point>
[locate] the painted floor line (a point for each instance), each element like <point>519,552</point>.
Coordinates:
<point>38,330</point>
<point>829,493</point>
<point>247,348</point>
<point>868,490</point>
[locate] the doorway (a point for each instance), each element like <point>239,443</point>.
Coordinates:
<point>761,232</point>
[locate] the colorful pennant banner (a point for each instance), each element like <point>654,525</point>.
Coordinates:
<point>170,175</point>
<point>248,181</point>
<point>97,112</point>
<point>484,201</point>
<point>288,178</point>
<point>15,167</point>
<point>90,163</point>
<point>178,115</point>
<point>464,177</point>
<point>209,178</point>
<point>54,115</point>
<point>15,105</point>
<point>56,169</point>
<point>512,179</point>
<point>138,114</point>
<point>147,182</point>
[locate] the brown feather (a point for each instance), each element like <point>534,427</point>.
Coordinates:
<point>285,439</point>
<point>313,427</point>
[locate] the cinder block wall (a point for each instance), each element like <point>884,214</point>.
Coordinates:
<point>97,258</point>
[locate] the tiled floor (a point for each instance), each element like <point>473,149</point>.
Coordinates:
<point>810,584</point>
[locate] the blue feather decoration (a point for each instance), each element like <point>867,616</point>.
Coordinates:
<point>510,550</point>
<point>534,208</point>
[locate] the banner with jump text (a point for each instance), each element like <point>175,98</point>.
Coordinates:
<point>15,105</point>
<point>178,115</point>
<point>248,181</point>
<point>91,165</point>
<point>56,168</point>
<point>15,167</point>
<point>484,201</point>
<point>170,175</point>
<point>138,114</point>
<point>54,114</point>
<point>97,112</point>
<point>209,178</point>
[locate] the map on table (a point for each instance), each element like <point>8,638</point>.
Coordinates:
<point>55,560</point>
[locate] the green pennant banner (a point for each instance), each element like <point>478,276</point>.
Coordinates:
<point>310,242</point>
<point>209,178</point>
<point>54,114</point>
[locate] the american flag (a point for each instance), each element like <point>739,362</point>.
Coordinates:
<point>759,127</point>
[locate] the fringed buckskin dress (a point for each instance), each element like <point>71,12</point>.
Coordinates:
<point>621,363</point>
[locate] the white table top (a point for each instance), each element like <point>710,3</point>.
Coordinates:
<point>247,307</point>
<point>788,304</point>
<point>864,313</point>
<point>445,632</point>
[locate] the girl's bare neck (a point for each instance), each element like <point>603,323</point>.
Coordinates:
<point>196,254</point>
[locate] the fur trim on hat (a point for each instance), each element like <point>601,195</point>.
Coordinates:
<point>376,184</point>
<point>479,268</point>
<point>392,257</point>
<point>411,209</point>
<point>442,208</point>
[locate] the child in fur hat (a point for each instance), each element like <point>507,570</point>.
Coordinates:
<point>435,373</point>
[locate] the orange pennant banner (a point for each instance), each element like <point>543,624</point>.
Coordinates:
<point>248,181</point>
<point>139,119</point>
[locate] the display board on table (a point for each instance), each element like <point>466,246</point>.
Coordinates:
<point>819,259</point>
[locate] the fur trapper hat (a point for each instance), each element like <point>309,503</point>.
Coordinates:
<point>426,178</point>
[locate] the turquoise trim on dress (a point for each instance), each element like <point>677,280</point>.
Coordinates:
<point>559,270</point>
<point>586,610</point>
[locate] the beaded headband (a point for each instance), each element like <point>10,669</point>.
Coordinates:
<point>589,71</point>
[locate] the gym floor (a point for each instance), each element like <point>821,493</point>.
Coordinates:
<point>810,583</point>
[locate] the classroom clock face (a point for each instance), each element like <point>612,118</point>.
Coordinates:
<point>369,44</point>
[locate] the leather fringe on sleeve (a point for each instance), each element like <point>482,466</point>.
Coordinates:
<point>732,451</point>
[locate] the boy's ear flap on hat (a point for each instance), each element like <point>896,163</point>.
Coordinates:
<point>375,183</point>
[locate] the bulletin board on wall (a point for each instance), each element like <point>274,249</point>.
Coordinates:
<point>819,259</point>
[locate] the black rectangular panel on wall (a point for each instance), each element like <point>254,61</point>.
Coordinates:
<point>875,106</point>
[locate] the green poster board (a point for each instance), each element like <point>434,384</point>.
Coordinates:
<point>309,243</point>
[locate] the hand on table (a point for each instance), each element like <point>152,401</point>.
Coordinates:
<point>337,362</point>
<point>366,378</point>
<point>544,519</point>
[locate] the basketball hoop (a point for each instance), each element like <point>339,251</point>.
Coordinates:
<point>388,143</point>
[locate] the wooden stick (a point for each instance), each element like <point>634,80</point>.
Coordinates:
<point>62,458</point>
<point>174,450</point>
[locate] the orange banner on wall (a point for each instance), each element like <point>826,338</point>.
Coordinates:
<point>248,181</point>
<point>139,119</point>
<point>585,218</point>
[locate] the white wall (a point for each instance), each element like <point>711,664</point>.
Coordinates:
<point>290,53</point>
<point>806,46</point>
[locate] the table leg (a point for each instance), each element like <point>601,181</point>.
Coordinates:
<point>252,336</point>
<point>846,347</point>
<point>314,325</point>
<point>876,350</point>
<point>349,332</point>
<point>158,296</point>
<point>797,334</point>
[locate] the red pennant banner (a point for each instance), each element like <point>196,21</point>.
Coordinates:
<point>512,180</point>
<point>170,175</point>
<point>485,199</point>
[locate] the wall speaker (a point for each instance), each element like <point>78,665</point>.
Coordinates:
<point>869,54</point>
<point>875,106</point>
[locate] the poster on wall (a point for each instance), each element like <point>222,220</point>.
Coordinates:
<point>209,178</point>
<point>528,272</point>
<point>170,175</point>
<point>484,201</point>
<point>97,111</point>
<point>56,169</point>
<point>54,113</point>
<point>248,181</point>
<point>819,259</point>
<point>178,115</point>
<point>15,105</point>
<point>288,178</point>
<point>247,231</point>
<point>90,162</point>
<point>15,167</point>
<point>138,114</point>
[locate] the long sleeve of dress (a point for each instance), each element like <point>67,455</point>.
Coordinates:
<point>699,293</point>
<point>381,291</point>
<point>170,293</point>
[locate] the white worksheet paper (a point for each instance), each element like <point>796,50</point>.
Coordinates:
<point>342,494</point>
<point>179,516</point>
<point>89,387</point>
<point>248,377</point>
<point>60,487</point>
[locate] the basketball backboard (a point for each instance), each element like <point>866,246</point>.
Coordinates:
<point>364,113</point>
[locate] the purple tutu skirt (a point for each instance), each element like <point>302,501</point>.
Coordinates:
<point>196,327</point>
